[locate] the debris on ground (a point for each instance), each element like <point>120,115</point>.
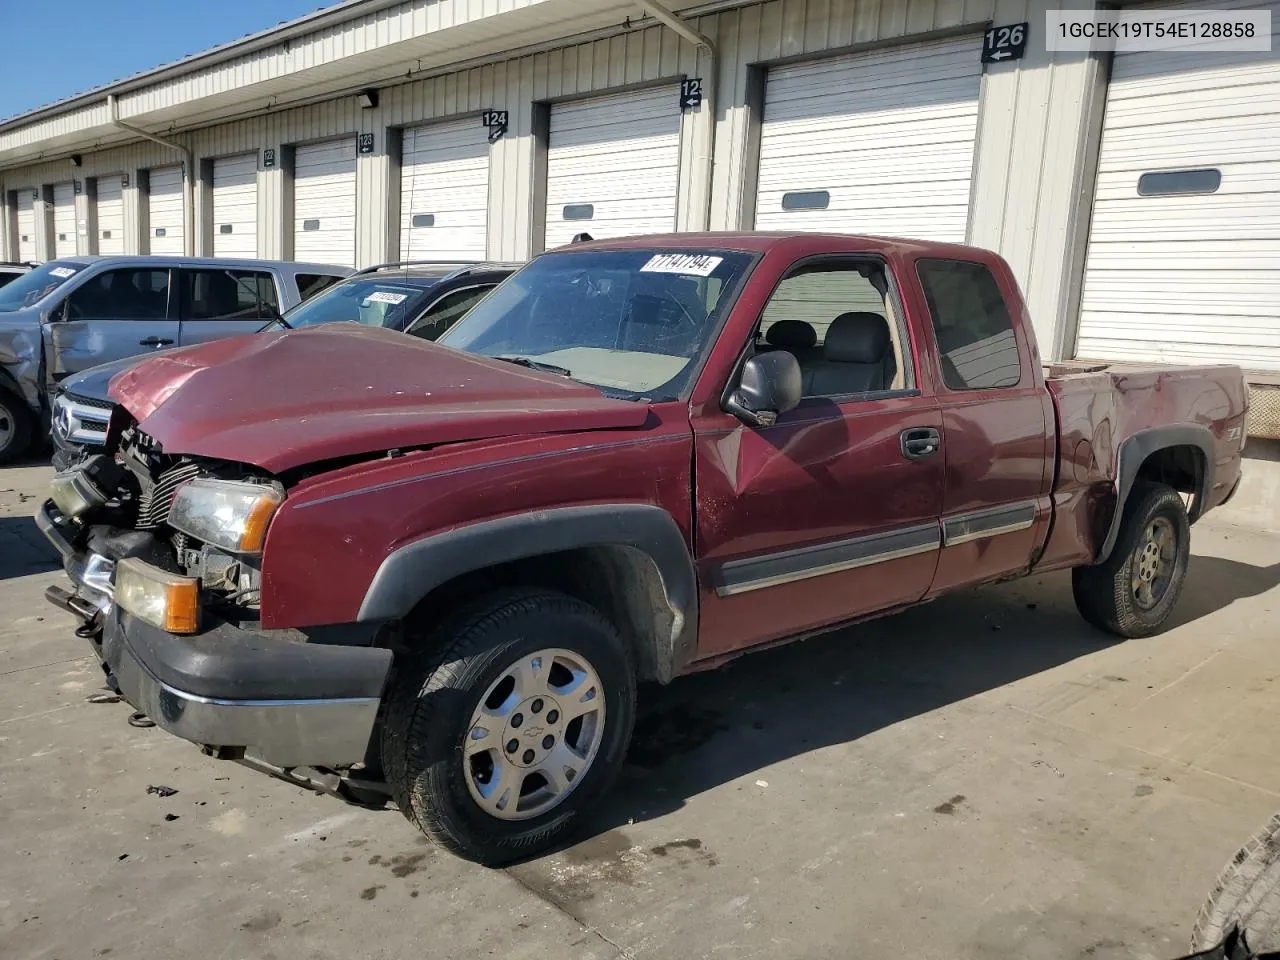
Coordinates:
<point>103,698</point>
<point>161,791</point>
<point>762,783</point>
<point>170,817</point>
<point>1046,763</point>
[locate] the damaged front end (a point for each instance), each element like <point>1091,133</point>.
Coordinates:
<point>113,508</point>
<point>165,557</point>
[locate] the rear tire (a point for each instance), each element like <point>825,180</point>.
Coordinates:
<point>527,658</point>
<point>1246,895</point>
<point>17,427</point>
<point>1133,592</point>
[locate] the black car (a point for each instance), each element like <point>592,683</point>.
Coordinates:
<point>417,298</point>
<point>11,270</point>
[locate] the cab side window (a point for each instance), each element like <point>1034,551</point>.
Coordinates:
<point>228,295</point>
<point>447,311</point>
<point>976,342</point>
<point>838,322</point>
<point>309,284</point>
<point>122,295</point>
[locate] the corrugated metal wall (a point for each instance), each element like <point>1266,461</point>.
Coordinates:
<point>1030,171</point>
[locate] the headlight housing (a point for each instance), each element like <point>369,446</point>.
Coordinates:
<point>229,514</point>
<point>75,494</point>
<point>162,599</point>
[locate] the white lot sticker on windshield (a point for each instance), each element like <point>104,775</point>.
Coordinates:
<point>62,272</point>
<point>382,297</point>
<point>689,264</point>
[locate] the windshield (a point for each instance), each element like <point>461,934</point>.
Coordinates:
<point>30,288</point>
<point>633,322</point>
<point>374,302</point>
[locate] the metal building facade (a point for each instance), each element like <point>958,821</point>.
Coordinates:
<point>1029,184</point>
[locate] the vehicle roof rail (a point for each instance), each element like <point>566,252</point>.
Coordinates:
<point>392,264</point>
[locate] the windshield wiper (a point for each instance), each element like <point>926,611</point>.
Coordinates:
<point>532,364</point>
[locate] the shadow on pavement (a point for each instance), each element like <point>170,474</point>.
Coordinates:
<point>707,729</point>
<point>23,548</point>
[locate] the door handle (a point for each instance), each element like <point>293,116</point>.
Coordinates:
<point>155,342</point>
<point>920,442</point>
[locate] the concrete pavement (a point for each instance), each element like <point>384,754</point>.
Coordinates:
<point>982,777</point>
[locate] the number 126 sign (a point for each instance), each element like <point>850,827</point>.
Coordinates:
<point>1000,44</point>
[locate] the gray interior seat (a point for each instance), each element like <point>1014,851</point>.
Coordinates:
<point>798,338</point>
<point>857,357</point>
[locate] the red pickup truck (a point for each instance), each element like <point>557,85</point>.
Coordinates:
<point>367,563</point>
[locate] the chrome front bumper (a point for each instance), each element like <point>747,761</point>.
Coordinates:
<point>328,732</point>
<point>285,702</point>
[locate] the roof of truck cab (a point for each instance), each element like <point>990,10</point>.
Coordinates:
<point>761,242</point>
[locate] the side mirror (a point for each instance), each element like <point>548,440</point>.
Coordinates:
<point>58,312</point>
<point>770,385</point>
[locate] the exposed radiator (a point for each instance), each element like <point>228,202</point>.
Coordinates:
<point>153,506</point>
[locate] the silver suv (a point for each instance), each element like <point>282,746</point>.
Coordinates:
<point>73,313</point>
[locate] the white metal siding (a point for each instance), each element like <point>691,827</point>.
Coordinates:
<point>888,135</point>
<point>324,202</point>
<point>620,155</point>
<point>444,186</point>
<point>1187,278</point>
<point>165,211</point>
<point>64,220</point>
<point>110,215</point>
<point>235,206</point>
<point>26,225</point>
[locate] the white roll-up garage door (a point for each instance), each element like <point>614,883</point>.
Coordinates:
<point>444,192</point>
<point>165,211</point>
<point>873,143</point>
<point>110,215</point>
<point>324,202</point>
<point>613,165</point>
<point>1184,246</point>
<point>27,225</point>
<point>235,206</point>
<point>64,220</point>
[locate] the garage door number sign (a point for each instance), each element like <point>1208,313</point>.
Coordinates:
<point>1001,44</point>
<point>495,121</point>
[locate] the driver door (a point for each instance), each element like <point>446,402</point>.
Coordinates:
<point>112,315</point>
<point>832,513</point>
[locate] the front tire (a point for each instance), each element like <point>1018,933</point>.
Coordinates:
<point>1133,592</point>
<point>17,427</point>
<point>508,723</point>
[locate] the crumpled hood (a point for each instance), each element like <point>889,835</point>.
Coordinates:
<point>283,400</point>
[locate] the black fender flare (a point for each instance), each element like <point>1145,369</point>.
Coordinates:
<point>1133,453</point>
<point>415,569</point>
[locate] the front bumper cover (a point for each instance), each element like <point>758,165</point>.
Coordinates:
<point>285,702</point>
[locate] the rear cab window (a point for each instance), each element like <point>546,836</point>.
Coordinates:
<point>977,346</point>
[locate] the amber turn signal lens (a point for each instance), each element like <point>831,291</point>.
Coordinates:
<point>162,599</point>
<point>255,525</point>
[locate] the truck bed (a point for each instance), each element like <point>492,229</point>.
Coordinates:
<point>1107,413</point>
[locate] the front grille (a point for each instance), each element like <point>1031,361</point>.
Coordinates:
<point>154,504</point>
<point>89,401</point>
